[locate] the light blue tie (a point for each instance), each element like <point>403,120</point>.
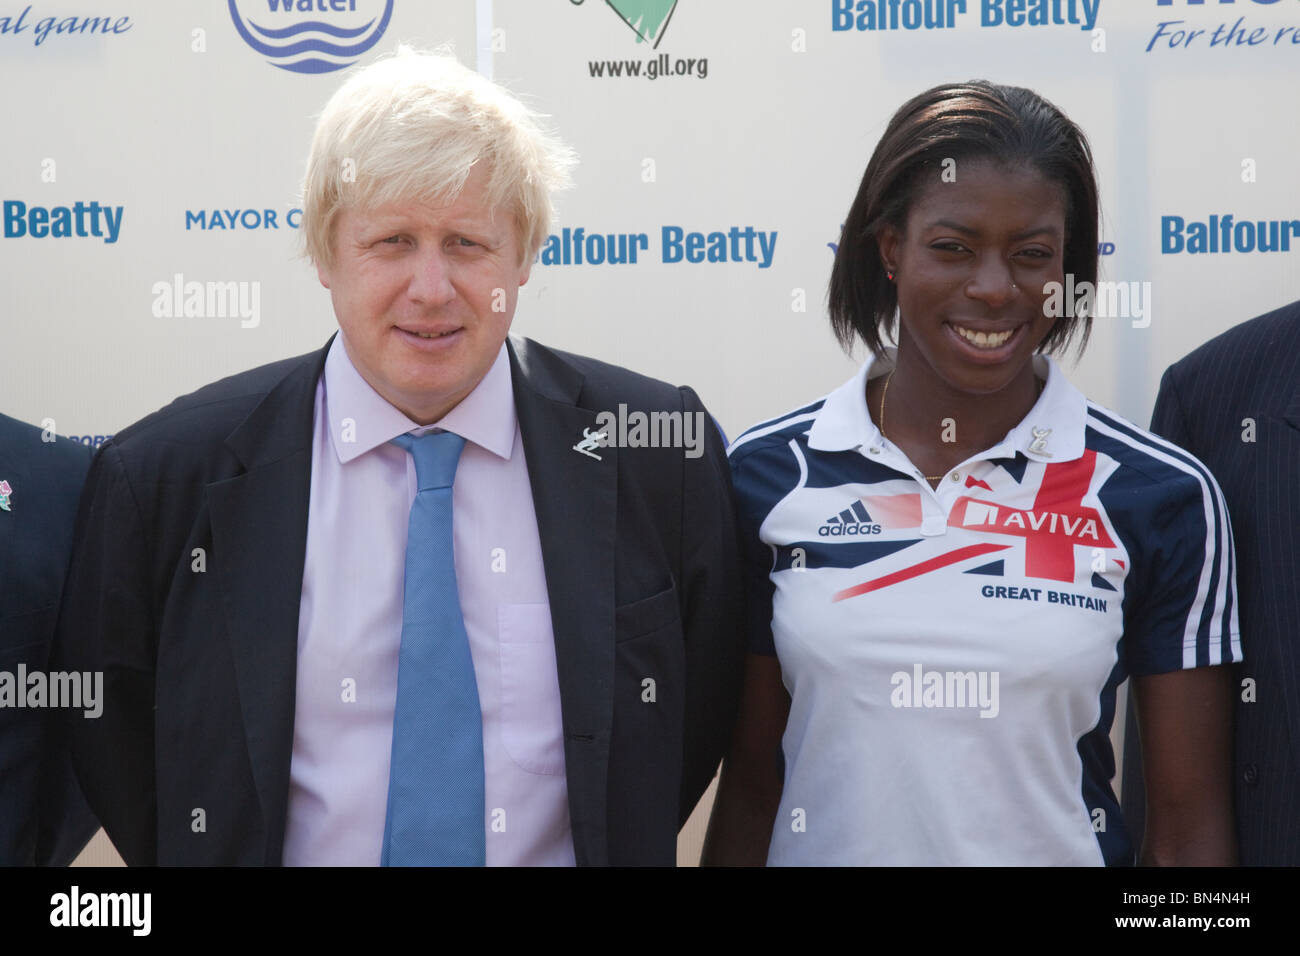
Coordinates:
<point>435,783</point>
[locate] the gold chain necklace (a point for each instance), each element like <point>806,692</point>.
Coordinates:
<point>885,391</point>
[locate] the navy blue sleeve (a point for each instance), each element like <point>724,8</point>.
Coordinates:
<point>1186,612</point>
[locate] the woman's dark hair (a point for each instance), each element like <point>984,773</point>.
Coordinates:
<point>979,120</point>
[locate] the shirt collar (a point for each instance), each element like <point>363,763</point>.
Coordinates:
<point>361,419</point>
<point>1052,431</point>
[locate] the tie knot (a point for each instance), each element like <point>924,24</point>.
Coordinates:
<point>436,455</point>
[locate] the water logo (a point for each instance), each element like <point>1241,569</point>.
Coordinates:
<point>306,37</point>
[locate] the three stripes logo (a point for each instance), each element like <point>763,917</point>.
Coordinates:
<point>853,520</point>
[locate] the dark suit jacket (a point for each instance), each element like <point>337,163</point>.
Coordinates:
<point>43,818</point>
<point>1252,371</point>
<point>639,550</point>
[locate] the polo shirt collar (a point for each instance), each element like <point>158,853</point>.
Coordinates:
<point>1052,431</point>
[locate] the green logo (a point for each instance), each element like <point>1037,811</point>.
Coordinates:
<point>647,18</point>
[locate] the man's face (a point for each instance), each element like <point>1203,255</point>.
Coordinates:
<point>424,295</point>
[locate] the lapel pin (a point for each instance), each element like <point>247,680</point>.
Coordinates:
<point>5,492</point>
<point>1039,445</point>
<point>590,440</point>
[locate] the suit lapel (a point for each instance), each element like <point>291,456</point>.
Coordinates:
<point>575,497</point>
<point>259,541</point>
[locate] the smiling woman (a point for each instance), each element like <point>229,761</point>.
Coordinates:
<point>969,266</point>
<point>923,717</point>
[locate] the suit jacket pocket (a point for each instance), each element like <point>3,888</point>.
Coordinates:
<point>647,615</point>
<point>532,728</point>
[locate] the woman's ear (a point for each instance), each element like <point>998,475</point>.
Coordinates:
<point>888,240</point>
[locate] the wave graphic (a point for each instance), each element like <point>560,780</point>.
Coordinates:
<point>317,25</point>
<point>369,35</point>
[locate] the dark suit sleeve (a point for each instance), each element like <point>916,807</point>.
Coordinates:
<point>43,818</point>
<point>1168,421</point>
<point>106,625</point>
<point>64,823</point>
<point>713,610</point>
<point>756,559</point>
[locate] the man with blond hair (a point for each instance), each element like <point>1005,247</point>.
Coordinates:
<point>401,601</point>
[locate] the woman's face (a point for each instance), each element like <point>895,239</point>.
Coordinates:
<point>970,266</point>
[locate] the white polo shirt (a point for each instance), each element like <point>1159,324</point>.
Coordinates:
<point>952,654</point>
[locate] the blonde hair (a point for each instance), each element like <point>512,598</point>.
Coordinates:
<point>411,126</point>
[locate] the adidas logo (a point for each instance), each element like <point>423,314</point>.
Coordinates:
<point>852,520</point>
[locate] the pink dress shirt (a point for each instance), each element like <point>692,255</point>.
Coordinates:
<point>350,625</point>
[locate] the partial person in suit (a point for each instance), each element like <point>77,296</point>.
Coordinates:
<point>296,670</point>
<point>1234,403</point>
<point>44,820</point>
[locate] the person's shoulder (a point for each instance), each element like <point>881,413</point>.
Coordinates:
<point>196,425</point>
<point>764,468</point>
<point>1145,460</point>
<point>773,435</point>
<point>603,384</point>
<point>1258,342</point>
<point>41,450</point>
<point>225,402</point>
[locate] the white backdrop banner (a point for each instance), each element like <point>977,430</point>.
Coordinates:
<point>153,153</point>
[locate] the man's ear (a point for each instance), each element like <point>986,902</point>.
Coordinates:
<point>528,258</point>
<point>323,274</point>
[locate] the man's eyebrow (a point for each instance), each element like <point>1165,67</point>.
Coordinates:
<point>468,221</point>
<point>475,223</point>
